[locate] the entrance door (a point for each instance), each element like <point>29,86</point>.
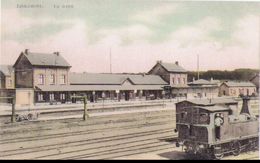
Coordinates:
<point>127,95</point>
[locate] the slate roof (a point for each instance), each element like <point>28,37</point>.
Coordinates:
<point>239,84</point>
<point>215,108</point>
<point>201,82</point>
<point>40,59</point>
<point>59,88</point>
<point>204,83</point>
<point>6,69</point>
<point>214,101</point>
<point>172,67</point>
<point>114,79</point>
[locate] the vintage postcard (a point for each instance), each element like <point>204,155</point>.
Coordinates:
<point>129,80</point>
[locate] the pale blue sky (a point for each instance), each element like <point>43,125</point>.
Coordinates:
<point>155,29</point>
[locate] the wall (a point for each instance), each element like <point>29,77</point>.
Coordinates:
<point>224,90</point>
<point>24,97</point>
<point>10,82</point>
<point>236,91</point>
<point>159,70</point>
<point>23,73</point>
<point>47,75</point>
<point>197,92</point>
<point>256,82</point>
<point>2,81</point>
<point>175,76</point>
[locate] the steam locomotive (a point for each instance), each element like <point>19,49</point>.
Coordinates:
<point>214,128</point>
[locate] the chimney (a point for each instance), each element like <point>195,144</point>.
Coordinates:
<point>177,63</point>
<point>57,53</point>
<point>159,61</point>
<point>245,108</point>
<point>26,51</point>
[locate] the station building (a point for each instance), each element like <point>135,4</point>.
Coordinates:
<point>46,78</point>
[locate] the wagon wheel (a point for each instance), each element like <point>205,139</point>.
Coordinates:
<point>17,118</point>
<point>236,148</point>
<point>30,116</point>
<point>218,154</point>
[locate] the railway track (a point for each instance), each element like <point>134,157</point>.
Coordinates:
<point>105,137</point>
<point>101,137</point>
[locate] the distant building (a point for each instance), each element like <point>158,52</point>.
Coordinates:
<point>236,89</point>
<point>255,80</point>
<point>204,89</point>
<point>172,73</point>
<point>176,76</point>
<point>6,82</point>
<point>6,77</point>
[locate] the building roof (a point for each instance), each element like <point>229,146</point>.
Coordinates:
<point>239,84</point>
<point>173,67</point>
<point>40,59</point>
<point>6,69</point>
<point>59,88</point>
<point>114,79</point>
<point>201,82</point>
<point>215,108</point>
<point>255,77</point>
<point>210,102</point>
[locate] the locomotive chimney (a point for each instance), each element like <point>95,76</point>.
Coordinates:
<point>245,108</point>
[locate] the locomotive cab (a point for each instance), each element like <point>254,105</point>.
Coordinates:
<point>215,129</point>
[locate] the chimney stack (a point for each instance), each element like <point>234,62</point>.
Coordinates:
<point>57,53</point>
<point>26,51</point>
<point>159,61</point>
<point>177,63</point>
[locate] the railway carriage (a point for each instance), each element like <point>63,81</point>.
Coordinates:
<point>215,129</point>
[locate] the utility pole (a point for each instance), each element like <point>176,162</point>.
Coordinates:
<point>198,66</point>
<point>110,61</point>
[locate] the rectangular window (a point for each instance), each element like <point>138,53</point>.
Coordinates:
<point>184,81</point>
<point>179,81</point>
<point>10,82</point>
<point>40,97</point>
<point>51,97</point>
<point>173,81</point>
<point>52,79</point>
<point>63,79</point>
<point>62,96</point>
<point>41,79</point>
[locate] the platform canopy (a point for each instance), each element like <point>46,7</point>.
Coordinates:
<point>62,88</point>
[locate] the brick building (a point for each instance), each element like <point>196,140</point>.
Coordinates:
<point>236,89</point>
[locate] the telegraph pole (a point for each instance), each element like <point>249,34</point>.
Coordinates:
<point>110,61</point>
<point>198,66</point>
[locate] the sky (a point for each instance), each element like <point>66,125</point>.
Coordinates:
<point>225,35</point>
